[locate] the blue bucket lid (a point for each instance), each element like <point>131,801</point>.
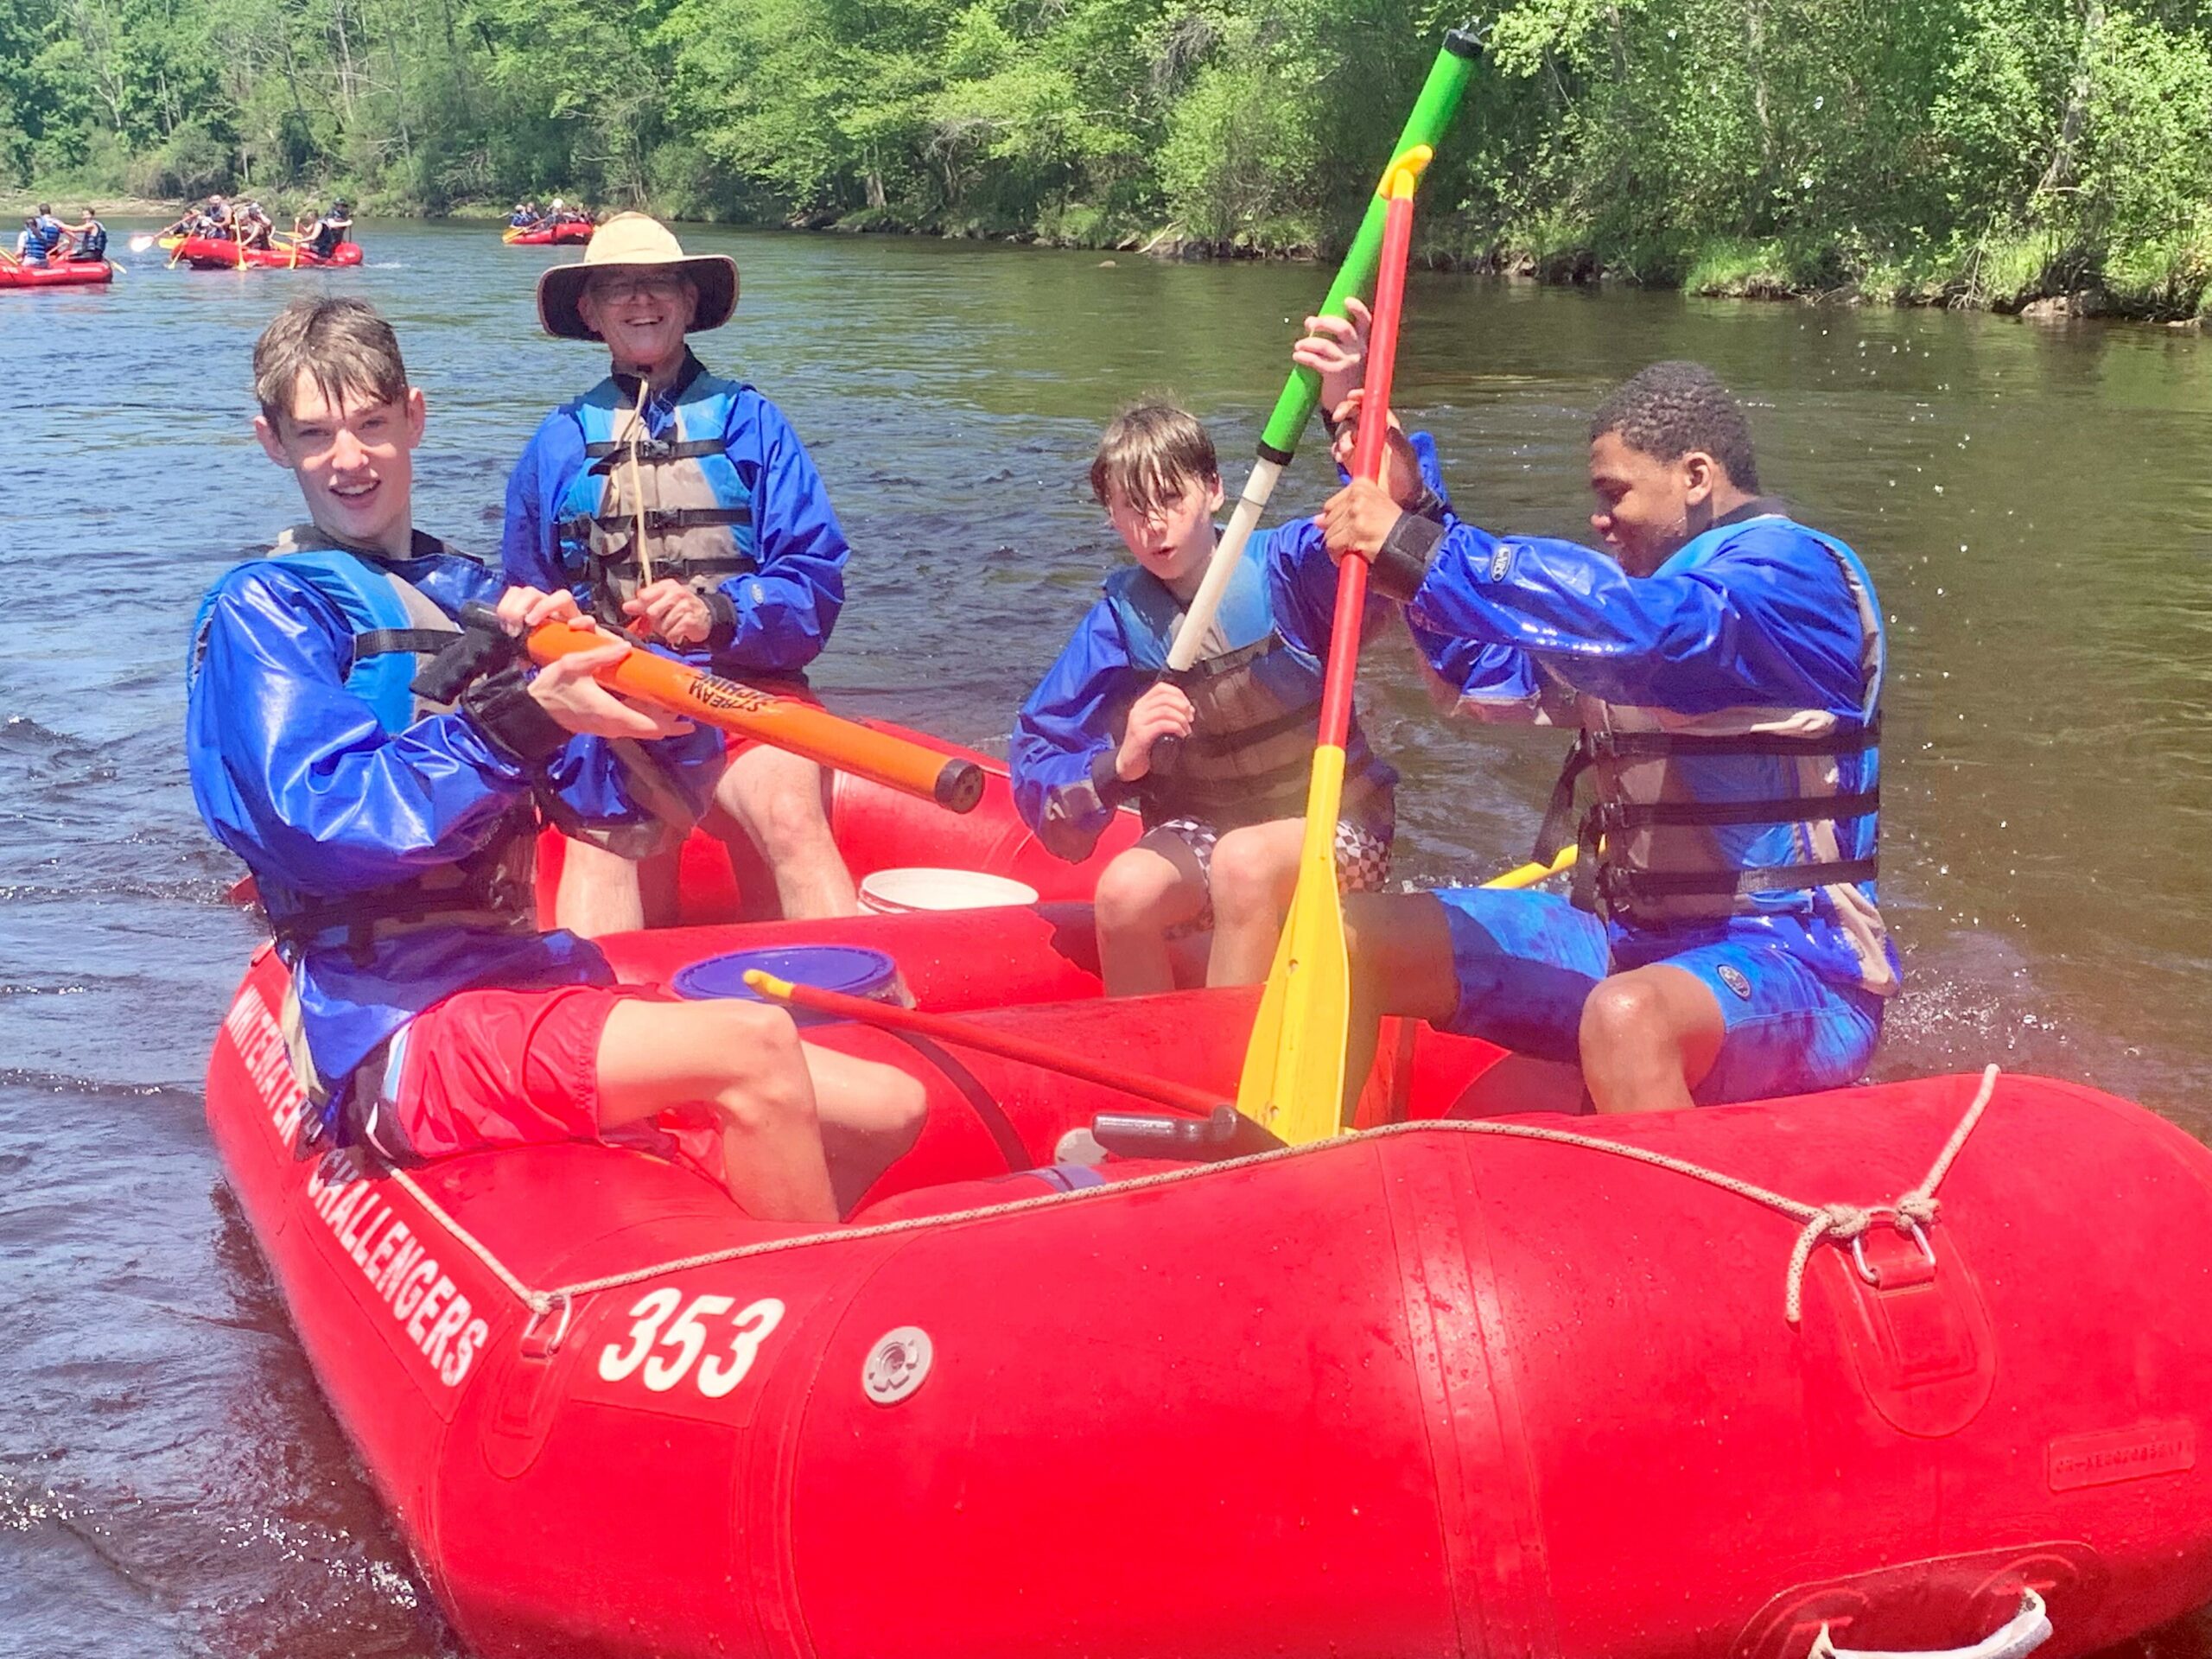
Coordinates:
<point>846,967</point>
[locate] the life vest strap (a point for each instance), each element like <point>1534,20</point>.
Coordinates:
<point>494,887</point>
<point>654,451</point>
<point>1619,885</point>
<point>365,917</point>
<point>1615,816</point>
<point>1228,663</point>
<point>390,642</point>
<point>1644,745</point>
<point>1305,717</point>
<point>660,520</point>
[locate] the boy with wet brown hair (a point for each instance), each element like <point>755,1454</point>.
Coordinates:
<point>1224,818</point>
<point>391,837</point>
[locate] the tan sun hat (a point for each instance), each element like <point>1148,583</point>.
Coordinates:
<point>635,241</point>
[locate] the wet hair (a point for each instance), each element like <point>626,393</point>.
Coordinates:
<point>1151,453</point>
<point>1670,409</point>
<point>349,351</point>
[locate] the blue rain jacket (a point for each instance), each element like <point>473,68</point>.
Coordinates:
<point>1753,612</point>
<point>786,608</point>
<point>300,777</point>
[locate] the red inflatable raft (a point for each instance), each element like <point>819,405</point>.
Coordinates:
<point>210,253</point>
<point>62,273</point>
<point>545,236</point>
<point>1450,1387</point>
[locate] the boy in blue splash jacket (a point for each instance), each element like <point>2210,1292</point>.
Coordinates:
<point>391,837</point>
<point>1724,664</point>
<point>1224,822</point>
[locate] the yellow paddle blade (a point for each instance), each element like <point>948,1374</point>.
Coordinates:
<point>1293,1078</point>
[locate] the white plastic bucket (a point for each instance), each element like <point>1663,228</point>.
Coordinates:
<point>897,893</point>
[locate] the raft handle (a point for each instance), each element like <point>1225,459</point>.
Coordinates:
<point>2029,1630</point>
<point>538,1341</point>
<point>1872,1274</point>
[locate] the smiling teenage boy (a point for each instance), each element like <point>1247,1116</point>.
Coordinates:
<point>390,837</point>
<point>1224,822</point>
<point>682,505</point>
<point>1724,663</point>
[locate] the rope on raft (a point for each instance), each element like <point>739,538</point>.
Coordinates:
<point>1915,1209</point>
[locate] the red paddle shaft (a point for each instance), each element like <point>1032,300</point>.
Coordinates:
<point>1370,448</point>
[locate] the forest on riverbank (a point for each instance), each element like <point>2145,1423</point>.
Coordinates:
<point>1962,151</point>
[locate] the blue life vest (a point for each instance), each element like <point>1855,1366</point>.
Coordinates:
<point>1257,702</point>
<point>396,630</point>
<point>93,244</point>
<point>41,236</point>
<point>677,497</point>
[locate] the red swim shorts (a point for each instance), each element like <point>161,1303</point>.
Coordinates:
<point>497,1068</point>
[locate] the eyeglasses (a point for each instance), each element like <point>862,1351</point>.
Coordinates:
<point>615,289</point>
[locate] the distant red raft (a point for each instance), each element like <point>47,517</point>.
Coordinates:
<point>1429,1390</point>
<point>543,235</point>
<point>209,253</point>
<point>62,273</point>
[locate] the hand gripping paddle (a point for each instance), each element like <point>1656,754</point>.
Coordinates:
<point>781,722</point>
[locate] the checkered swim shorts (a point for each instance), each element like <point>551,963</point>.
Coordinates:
<point>1362,860</point>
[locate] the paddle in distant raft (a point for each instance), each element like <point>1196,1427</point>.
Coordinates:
<point>1294,1067</point>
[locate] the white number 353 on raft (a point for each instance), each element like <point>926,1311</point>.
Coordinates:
<point>738,1340</point>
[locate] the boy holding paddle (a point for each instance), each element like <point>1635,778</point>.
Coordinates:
<point>1224,813</point>
<point>391,837</point>
<point>1724,666</point>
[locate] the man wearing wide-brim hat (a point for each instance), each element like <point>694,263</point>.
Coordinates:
<point>683,506</point>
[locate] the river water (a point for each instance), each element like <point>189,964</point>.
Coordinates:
<point>2031,503</point>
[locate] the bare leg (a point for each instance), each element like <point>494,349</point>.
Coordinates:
<point>779,800</point>
<point>773,1096</point>
<point>1400,951</point>
<point>870,1115</point>
<point>1255,873</point>
<point>599,893</point>
<point>1150,888</point>
<point>1649,1037</point>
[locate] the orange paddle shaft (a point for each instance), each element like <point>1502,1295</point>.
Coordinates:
<point>781,722</point>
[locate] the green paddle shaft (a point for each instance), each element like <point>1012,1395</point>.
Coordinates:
<point>1431,118</point>
<point>1433,111</point>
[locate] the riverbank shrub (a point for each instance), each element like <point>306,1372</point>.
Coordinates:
<point>1976,151</point>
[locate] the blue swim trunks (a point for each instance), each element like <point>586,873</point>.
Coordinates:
<point>1526,962</point>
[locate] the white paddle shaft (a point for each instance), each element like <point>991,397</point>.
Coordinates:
<point>1249,505</point>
